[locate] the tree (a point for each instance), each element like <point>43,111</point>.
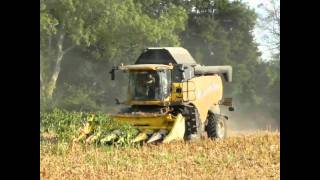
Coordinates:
<point>104,29</point>
<point>64,24</point>
<point>219,32</point>
<point>270,23</point>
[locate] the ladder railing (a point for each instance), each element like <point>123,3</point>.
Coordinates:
<point>187,91</point>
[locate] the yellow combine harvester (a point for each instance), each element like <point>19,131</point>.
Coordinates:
<point>171,97</point>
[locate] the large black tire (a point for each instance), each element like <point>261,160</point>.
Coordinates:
<point>193,123</point>
<point>216,126</point>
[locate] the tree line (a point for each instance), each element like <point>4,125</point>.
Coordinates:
<point>81,40</point>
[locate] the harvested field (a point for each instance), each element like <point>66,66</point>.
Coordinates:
<point>254,155</point>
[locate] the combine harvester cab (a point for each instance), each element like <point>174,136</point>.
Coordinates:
<point>171,97</point>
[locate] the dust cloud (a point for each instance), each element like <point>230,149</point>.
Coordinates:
<point>244,122</point>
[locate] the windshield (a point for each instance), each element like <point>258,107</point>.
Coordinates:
<point>149,85</point>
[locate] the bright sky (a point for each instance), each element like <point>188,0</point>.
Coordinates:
<point>259,33</point>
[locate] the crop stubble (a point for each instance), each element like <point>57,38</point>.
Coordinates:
<point>252,156</point>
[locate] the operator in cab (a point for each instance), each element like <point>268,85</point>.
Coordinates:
<point>150,83</point>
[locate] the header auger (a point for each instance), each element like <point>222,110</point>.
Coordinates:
<point>171,97</point>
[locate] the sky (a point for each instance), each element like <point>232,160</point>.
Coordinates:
<point>258,32</point>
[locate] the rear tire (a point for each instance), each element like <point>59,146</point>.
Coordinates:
<point>216,126</point>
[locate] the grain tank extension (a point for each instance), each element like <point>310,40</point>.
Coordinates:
<point>171,97</point>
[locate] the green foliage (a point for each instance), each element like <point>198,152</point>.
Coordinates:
<point>79,99</point>
<point>105,127</point>
<point>62,123</point>
<point>67,125</point>
<point>113,31</point>
<point>108,27</point>
<point>220,33</point>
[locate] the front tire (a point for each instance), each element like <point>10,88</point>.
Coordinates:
<point>192,124</point>
<point>216,126</point>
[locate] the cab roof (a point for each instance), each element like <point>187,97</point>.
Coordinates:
<point>146,67</point>
<point>165,55</point>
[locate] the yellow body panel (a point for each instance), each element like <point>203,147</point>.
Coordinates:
<point>177,131</point>
<point>176,97</point>
<point>149,124</point>
<point>203,92</point>
<point>208,93</point>
<point>152,102</point>
<point>164,121</point>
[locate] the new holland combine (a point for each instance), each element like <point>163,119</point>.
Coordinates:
<point>171,97</point>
